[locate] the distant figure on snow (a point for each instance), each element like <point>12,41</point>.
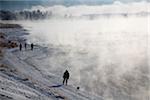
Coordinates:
<point>66,77</point>
<point>32,46</point>
<point>20,46</point>
<point>25,46</point>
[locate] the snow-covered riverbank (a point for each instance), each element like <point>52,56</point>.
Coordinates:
<point>22,79</point>
<point>37,74</point>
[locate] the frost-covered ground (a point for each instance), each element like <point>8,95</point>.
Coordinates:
<point>22,76</point>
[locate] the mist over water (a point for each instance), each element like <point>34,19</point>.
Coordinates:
<point>106,55</point>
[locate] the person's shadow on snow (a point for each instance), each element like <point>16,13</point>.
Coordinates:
<point>56,86</point>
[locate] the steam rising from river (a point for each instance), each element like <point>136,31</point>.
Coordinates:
<point>106,55</point>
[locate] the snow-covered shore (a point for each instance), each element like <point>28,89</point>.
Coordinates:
<point>37,74</point>
<point>22,79</point>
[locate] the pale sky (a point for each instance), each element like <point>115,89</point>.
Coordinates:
<point>82,0</point>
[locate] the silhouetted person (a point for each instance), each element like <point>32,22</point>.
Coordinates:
<point>20,46</point>
<point>66,77</point>
<point>25,46</point>
<point>32,46</point>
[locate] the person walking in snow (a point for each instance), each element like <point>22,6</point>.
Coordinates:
<point>32,46</point>
<point>25,46</point>
<point>20,46</point>
<point>66,77</point>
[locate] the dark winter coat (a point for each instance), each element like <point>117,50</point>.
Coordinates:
<point>66,75</point>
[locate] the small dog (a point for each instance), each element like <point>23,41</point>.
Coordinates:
<point>78,88</point>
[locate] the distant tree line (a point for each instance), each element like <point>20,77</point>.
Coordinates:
<point>32,15</point>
